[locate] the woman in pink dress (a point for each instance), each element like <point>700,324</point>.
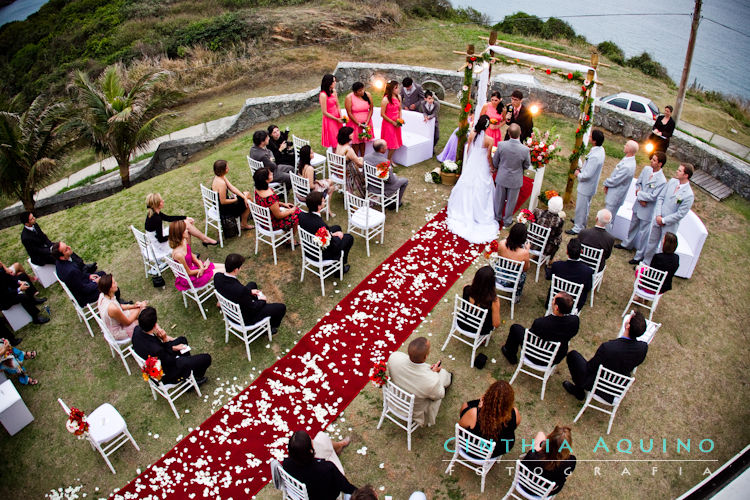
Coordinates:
<point>494,109</point>
<point>390,110</point>
<point>359,107</point>
<point>329,106</point>
<point>199,272</point>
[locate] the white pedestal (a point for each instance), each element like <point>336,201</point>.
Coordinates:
<point>14,415</point>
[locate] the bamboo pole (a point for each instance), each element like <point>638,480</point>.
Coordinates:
<point>542,50</point>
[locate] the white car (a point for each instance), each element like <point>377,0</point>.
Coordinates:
<point>634,104</point>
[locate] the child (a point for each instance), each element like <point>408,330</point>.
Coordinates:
<point>430,108</point>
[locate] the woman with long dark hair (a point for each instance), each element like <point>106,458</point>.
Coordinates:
<point>494,109</point>
<point>329,106</point>
<point>280,145</point>
<point>551,457</point>
<point>482,293</point>
<point>359,108</point>
<point>390,111</point>
<point>493,416</point>
<point>471,213</point>
<point>355,178</point>
<point>515,247</point>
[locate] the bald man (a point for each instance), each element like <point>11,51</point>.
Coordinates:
<point>617,185</point>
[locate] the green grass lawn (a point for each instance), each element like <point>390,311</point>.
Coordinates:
<point>692,385</point>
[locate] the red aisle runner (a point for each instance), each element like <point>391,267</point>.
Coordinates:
<point>228,455</point>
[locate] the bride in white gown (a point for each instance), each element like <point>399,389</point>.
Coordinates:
<point>471,213</point>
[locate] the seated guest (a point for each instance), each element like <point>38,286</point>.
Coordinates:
<point>252,302</point>
<point>515,247</point>
<point>312,221</point>
<point>306,170</point>
<point>237,205</point>
<point>283,215</point>
<point>482,292</point>
<point>17,268</point>
<point>393,183</point>
<point>560,326</point>
<point>493,416</point>
<point>83,286</point>
<point>355,177</point>
<point>573,270</point>
<point>620,355</point>
<point>280,145</point>
<point>316,464</point>
<point>598,237</point>
<point>551,218</point>
<point>38,246</point>
<point>149,339</point>
<point>119,323</point>
<point>200,272</point>
<point>667,260</point>
<point>17,288</point>
<point>11,362</point>
<point>260,152</point>
<point>155,230</point>
<point>427,382</point>
<point>551,457</point>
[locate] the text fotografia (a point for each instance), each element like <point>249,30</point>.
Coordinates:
<point>621,446</point>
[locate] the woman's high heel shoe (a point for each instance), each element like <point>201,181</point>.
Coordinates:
<point>210,244</point>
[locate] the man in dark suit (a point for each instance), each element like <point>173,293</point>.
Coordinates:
<point>18,289</point>
<point>82,285</point>
<point>516,112</point>
<point>149,339</point>
<point>252,302</point>
<point>312,221</point>
<point>573,270</point>
<point>598,237</point>
<point>621,355</point>
<point>38,245</point>
<point>560,326</point>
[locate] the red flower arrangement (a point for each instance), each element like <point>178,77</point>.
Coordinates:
<point>383,169</point>
<point>76,423</point>
<point>378,375</point>
<point>323,237</point>
<point>152,369</point>
<point>467,108</point>
<point>543,147</point>
<point>365,134</point>
<point>525,216</point>
<point>491,248</point>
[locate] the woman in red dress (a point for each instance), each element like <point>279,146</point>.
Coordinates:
<point>359,107</point>
<point>329,106</point>
<point>390,111</point>
<point>494,109</point>
<point>283,215</point>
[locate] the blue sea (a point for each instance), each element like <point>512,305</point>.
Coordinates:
<point>19,10</point>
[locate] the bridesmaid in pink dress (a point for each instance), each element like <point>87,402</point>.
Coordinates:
<point>390,111</point>
<point>199,272</point>
<point>359,107</point>
<point>491,109</point>
<point>329,106</point>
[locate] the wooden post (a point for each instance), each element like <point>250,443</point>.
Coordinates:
<point>491,41</point>
<point>464,121</point>
<point>579,140</point>
<point>688,61</point>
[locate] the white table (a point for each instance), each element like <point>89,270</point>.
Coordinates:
<point>14,415</point>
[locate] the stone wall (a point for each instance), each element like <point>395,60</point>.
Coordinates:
<point>730,170</point>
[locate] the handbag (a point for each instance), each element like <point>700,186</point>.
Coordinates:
<point>158,281</point>
<point>229,227</point>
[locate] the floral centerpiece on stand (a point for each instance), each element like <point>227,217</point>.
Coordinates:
<point>76,423</point>
<point>378,375</point>
<point>544,147</point>
<point>322,238</point>
<point>152,369</point>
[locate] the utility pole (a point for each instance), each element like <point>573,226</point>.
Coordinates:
<point>688,61</point>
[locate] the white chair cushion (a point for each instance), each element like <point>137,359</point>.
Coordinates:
<point>277,232</point>
<point>360,218</point>
<point>317,160</point>
<point>105,423</point>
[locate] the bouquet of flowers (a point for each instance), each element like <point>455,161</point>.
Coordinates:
<point>543,147</point>
<point>525,216</point>
<point>449,167</point>
<point>323,238</point>
<point>493,121</point>
<point>433,176</point>
<point>383,169</point>
<point>378,375</point>
<point>152,369</point>
<point>76,423</point>
<point>545,196</point>
<point>365,134</point>
<point>400,122</point>
<point>490,249</point>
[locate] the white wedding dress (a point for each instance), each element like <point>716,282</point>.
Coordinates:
<point>471,212</point>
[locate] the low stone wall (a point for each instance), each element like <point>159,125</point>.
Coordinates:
<point>730,170</point>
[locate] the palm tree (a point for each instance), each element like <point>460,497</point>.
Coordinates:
<point>31,146</point>
<point>116,120</point>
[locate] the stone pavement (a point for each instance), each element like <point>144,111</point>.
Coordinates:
<point>717,141</point>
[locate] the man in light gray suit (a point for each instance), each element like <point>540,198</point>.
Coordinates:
<point>260,152</point>
<point>617,185</point>
<point>411,94</point>
<point>510,160</point>
<point>672,205</point>
<point>588,180</point>
<point>649,186</point>
<point>394,182</point>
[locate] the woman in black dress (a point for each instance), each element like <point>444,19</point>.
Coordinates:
<point>663,130</point>
<point>280,145</point>
<point>551,457</point>
<point>493,416</point>
<point>667,260</point>
<point>482,293</point>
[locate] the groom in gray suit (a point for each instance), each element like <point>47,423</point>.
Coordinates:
<point>510,160</point>
<point>672,205</point>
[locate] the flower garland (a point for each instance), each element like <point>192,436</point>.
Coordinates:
<point>465,102</point>
<point>378,375</point>
<point>322,237</point>
<point>152,369</point>
<point>76,423</point>
<point>586,103</point>
<point>525,216</point>
<point>575,75</point>
<point>383,169</point>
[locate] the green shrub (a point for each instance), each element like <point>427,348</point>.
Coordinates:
<point>557,28</point>
<point>520,23</point>
<point>214,33</point>
<point>612,52</point>
<point>648,66</point>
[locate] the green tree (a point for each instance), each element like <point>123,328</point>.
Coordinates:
<point>31,146</point>
<point>117,120</point>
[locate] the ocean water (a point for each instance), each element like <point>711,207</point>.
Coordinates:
<point>19,10</point>
<point>721,58</point>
